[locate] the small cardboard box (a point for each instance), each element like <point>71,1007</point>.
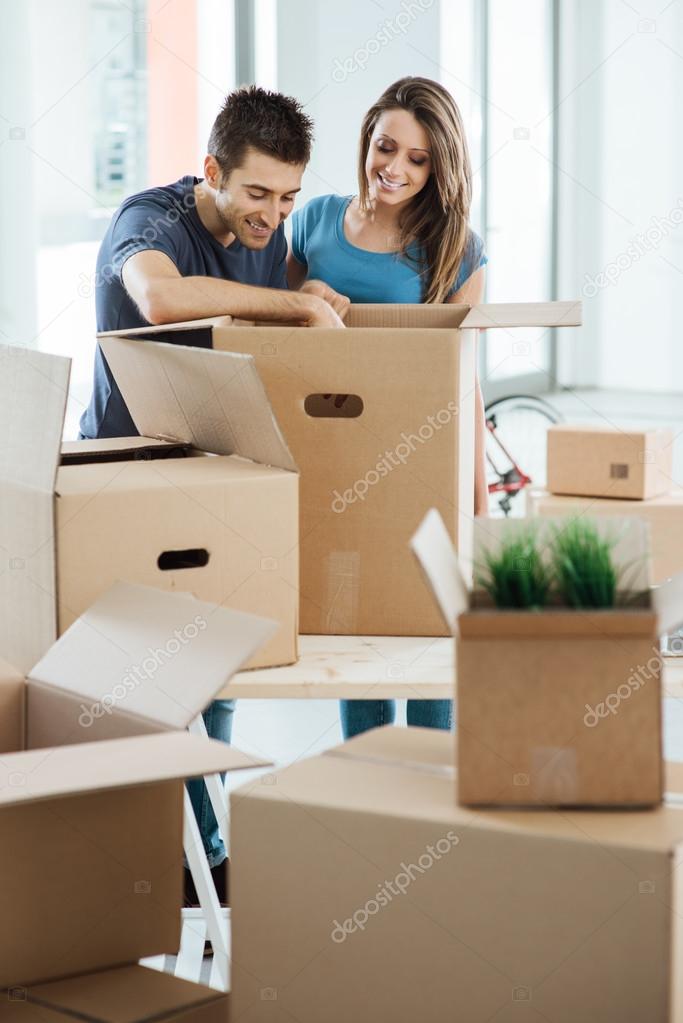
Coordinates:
<point>363,892</point>
<point>663,514</point>
<point>207,502</point>
<point>380,419</point>
<point>557,707</point>
<point>125,994</point>
<point>595,461</point>
<point>91,793</point>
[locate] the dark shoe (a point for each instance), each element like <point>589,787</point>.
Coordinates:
<point>219,875</point>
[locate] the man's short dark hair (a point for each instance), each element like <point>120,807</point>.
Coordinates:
<point>254,118</point>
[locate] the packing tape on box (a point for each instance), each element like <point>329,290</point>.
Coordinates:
<point>437,770</point>
<point>554,775</point>
<point>342,571</point>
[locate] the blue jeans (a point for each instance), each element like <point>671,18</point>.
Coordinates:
<point>359,715</point>
<point>218,721</point>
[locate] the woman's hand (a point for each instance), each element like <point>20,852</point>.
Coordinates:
<point>340,303</point>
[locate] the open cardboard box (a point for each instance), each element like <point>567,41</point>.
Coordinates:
<point>124,994</point>
<point>425,910</point>
<point>663,514</point>
<point>599,461</point>
<point>380,419</point>
<point>207,503</point>
<point>92,762</point>
<point>555,707</point>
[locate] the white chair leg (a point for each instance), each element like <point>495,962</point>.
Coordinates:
<point>206,892</point>
<point>214,786</point>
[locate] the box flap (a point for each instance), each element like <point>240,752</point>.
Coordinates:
<point>127,994</point>
<point>35,775</point>
<point>165,328</point>
<point>444,316</point>
<point>524,314</point>
<point>667,601</point>
<point>213,400</point>
<point>161,656</point>
<point>434,550</point>
<point>33,395</point>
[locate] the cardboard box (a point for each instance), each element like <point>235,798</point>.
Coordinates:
<point>663,514</point>
<point>606,462</point>
<point>171,514</point>
<point>380,418</point>
<point>91,773</point>
<point>363,892</point>
<point>126,994</point>
<point>556,707</point>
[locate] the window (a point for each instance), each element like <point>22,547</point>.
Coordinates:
<point>499,60</point>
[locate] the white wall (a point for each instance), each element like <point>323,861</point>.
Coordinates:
<point>621,165</point>
<point>18,234</point>
<point>62,53</point>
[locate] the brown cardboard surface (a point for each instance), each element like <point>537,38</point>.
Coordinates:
<point>89,880</point>
<point>115,519</point>
<point>12,711</point>
<point>131,994</point>
<point>91,855</point>
<point>217,404</point>
<point>607,462</point>
<point>663,514</point>
<point>161,656</point>
<point>227,406</point>
<point>530,729</point>
<point>411,366</point>
<point>29,450</point>
<point>556,707</point>
<point>356,518</point>
<point>569,915</point>
<point>35,775</point>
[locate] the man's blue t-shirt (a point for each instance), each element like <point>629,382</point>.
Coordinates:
<point>164,219</point>
<point>319,242</point>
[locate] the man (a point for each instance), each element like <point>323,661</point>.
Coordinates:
<point>210,247</point>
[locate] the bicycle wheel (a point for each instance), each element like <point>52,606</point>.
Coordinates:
<point>521,423</point>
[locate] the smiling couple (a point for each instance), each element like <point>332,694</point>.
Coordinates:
<point>216,246</point>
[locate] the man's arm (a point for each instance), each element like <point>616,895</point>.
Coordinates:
<point>296,278</point>
<point>162,295</point>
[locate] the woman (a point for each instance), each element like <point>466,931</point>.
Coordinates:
<point>404,238</point>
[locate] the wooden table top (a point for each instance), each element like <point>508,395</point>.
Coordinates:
<point>374,668</point>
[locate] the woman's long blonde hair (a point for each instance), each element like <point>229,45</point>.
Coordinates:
<point>437,219</point>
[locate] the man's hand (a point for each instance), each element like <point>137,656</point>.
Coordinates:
<point>340,303</point>
<point>321,314</point>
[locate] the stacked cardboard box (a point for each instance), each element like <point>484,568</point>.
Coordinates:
<point>558,706</point>
<point>594,461</point>
<point>663,516</point>
<point>362,891</point>
<point>380,419</point>
<point>91,803</point>
<point>610,472</point>
<point>206,502</point>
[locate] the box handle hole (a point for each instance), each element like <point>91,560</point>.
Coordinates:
<point>333,406</point>
<point>171,561</point>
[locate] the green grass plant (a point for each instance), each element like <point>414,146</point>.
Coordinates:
<point>514,574</point>
<point>582,565</point>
